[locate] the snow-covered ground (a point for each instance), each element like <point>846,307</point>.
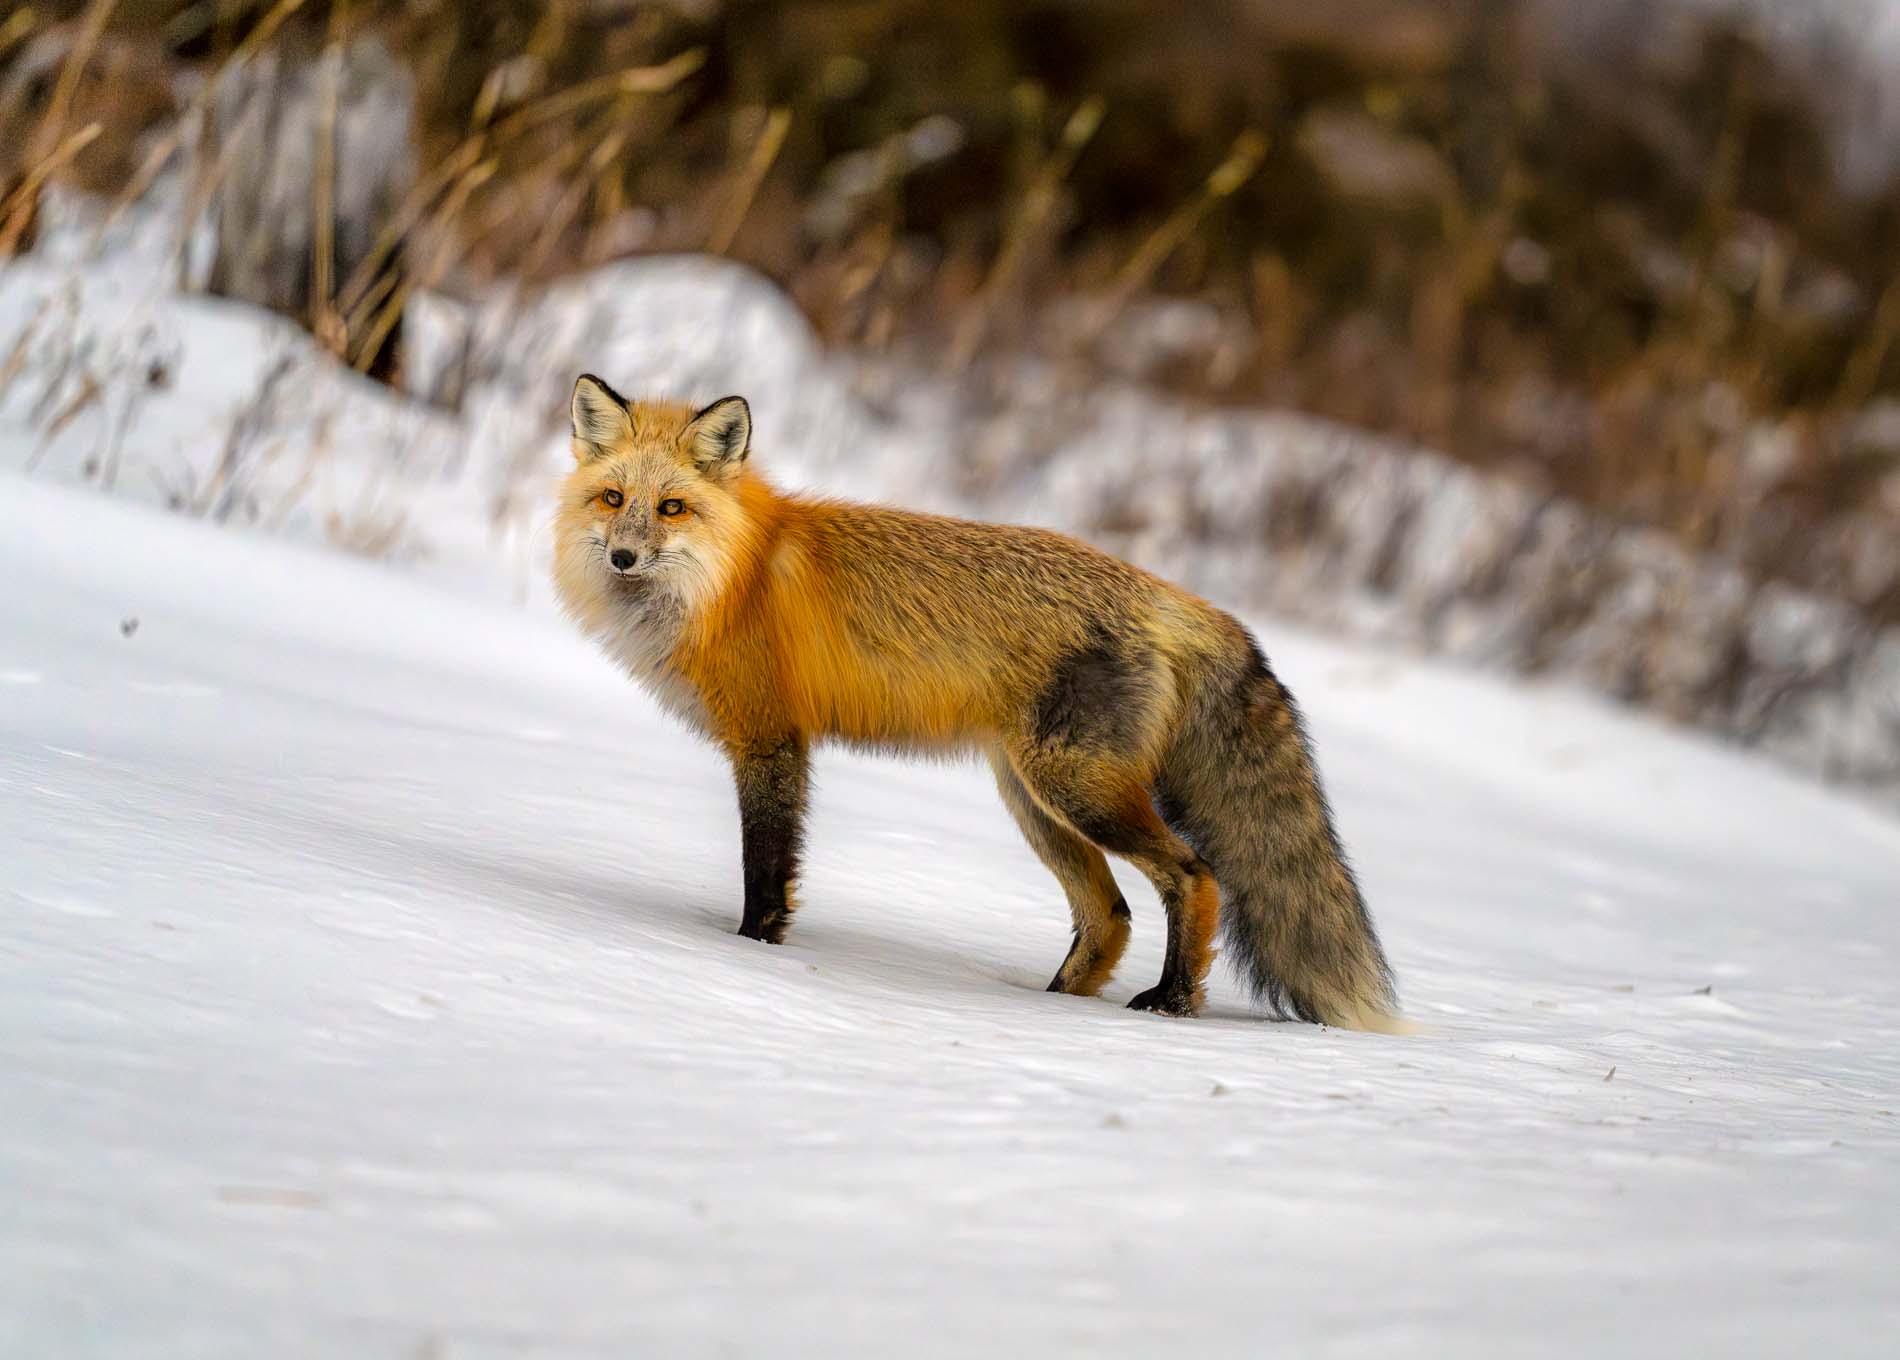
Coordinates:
<point>367,988</point>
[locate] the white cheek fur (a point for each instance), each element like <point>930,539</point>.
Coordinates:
<point>637,628</point>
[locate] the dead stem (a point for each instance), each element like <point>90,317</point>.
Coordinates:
<point>635,80</point>
<point>1243,159</point>
<point>1038,202</point>
<point>191,119</point>
<point>49,138</point>
<point>765,149</point>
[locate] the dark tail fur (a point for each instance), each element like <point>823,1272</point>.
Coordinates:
<point>1239,785</point>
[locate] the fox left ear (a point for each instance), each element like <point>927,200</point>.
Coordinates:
<point>720,437</point>
<point>600,418</point>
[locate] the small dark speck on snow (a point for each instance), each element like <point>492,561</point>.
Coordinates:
<point>128,626</point>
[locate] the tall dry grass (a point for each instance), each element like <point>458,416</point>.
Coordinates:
<point>1610,276</point>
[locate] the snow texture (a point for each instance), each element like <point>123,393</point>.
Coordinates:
<point>367,988</point>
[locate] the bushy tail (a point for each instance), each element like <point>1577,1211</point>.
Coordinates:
<point>1239,785</point>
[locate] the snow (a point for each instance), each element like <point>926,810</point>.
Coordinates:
<point>367,988</point>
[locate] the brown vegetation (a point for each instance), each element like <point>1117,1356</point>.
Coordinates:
<point>1620,262</point>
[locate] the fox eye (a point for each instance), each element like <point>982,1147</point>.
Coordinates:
<point>670,507</point>
<point>612,499</point>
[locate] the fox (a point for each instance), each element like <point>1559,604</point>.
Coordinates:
<point>1120,714</point>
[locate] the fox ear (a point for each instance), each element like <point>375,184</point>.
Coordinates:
<point>720,437</point>
<point>600,418</point>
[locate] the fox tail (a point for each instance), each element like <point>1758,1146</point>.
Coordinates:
<point>1240,786</point>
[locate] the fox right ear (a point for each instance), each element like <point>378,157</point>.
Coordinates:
<point>601,420</point>
<point>720,437</point>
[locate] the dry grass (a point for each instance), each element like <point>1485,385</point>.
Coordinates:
<point>1028,222</point>
<point>50,146</point>
<point>434,191</point>
<point>325,321</point>
<point>1607,281</point>
<point>190,125</point>
<point>17,207</point>
<point>383,307</point>
<point>765,148</point>
<point>16,27</point>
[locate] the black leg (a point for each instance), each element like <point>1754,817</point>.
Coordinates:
<point>1193,907</point>
<point>772,782</point>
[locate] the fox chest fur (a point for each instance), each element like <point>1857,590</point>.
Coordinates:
<point>639,624</point>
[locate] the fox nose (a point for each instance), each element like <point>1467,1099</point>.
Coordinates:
<point>621,558</point>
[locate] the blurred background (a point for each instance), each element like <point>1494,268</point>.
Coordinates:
<point>1557,338</point>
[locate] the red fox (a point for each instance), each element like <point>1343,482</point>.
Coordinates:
<point>1119,712</point>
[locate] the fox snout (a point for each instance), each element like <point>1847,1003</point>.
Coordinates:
<point>631,543</point>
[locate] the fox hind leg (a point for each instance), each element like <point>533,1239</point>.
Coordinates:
<point>1095,904</point>
<point>1099,800</point>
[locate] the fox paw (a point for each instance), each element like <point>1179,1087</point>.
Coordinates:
<point>771,930</point>
<point>1167,1001</point>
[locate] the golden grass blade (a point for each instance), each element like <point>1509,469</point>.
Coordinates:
<point>1248,151</point>
<point>325,323</point>
<point>437,266</point>
<point>47,137</point>
<point>16,26</point>
<point>1038,203</point>
<point>569,204</point>
<point>765,149</point>
<point>16,210</point>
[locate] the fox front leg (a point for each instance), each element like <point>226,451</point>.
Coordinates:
<point>772,779</point>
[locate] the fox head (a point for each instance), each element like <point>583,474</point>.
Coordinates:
<point>655,498</point>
